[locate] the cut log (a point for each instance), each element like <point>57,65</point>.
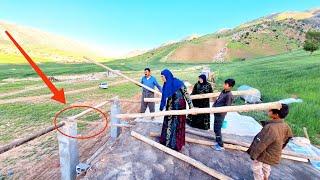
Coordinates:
<point>122,75</point>
<point>231,141</point>
<point>182,157</point>
<point>208,95</point>
<point>21,141</point>
<point>241,108</point>
<point>229,146</point>
<point>209,136</point>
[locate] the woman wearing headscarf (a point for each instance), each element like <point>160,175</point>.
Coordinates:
<point>174,97</point>
<point>201,121</point>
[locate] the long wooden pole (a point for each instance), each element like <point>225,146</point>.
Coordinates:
<point>122,75</point>
<point>181,156</point>
<point>207,95</point>
<point>88,110</point>
<point>241,108</point>
<point>229,146</point>
<point>37,134</point>
<point>284,152</point>
<point>210,136</point>
<point>21,141</point>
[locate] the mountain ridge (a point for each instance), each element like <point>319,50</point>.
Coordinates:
<point>269,35</point>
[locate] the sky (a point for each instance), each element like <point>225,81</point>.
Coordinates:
<point>121,26</point>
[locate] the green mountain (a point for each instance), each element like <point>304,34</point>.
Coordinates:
<point>271,35</point>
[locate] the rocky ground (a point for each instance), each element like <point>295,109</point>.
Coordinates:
<point>130,158</point>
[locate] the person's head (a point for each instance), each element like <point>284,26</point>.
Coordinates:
<point>202,78</point>
<point>147,72</point>
<point>279,113</point>
<point>228,84</point>
<point>166,74</point>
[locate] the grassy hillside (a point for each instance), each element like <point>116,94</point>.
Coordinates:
<point>41,46</point>
<point>266,36</point>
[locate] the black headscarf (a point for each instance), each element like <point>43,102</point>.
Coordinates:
<point>204,78</point>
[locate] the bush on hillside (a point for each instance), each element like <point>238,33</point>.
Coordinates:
<point>312,42</point>
<point>310,46</point>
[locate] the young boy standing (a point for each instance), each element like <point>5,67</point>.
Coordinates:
<point>267,145</point>
<point>225,99</point>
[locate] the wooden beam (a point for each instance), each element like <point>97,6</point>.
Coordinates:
<point>231,141</point>
<point>209,136</point>
<point>37,134</point>
<point>229,146</point>
<point>122,75</point>
<point>88,110</point>
<point>207,95</point>
<point>241,108</point>
<point>182,157</point>
<point>19,142</point>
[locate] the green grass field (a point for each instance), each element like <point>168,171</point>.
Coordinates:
<point>277,77</point>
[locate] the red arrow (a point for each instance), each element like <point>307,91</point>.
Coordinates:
<point>58,95</point>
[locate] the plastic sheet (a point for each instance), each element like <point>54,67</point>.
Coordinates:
<point>253,98</point>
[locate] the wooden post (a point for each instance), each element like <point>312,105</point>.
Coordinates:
<point>182,157</point>
<point>230,146</point>
<point>122,75</point>
<point>208,95</point>
<point>306,133</point>
<point>241,108</point>
<point>68,151</point>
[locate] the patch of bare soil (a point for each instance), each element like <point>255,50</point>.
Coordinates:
<point>133,159</point>
<point>203,52</point>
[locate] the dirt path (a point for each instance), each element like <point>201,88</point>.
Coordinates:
<point>48,96</point>
<point>32,88</point>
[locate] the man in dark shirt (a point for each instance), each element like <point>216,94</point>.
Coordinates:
<point>151,82</point>
<point>225,99</point>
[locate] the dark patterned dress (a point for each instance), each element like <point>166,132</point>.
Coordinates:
<point>200,121</point>
<point>173,128</point>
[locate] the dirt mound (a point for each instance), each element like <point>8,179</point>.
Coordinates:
<point>202,52</point>
<point>133,159</point>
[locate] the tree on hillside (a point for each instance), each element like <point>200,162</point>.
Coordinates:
<point>312,41</point>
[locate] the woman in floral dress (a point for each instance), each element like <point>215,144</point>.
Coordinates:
<point>174,97</point>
